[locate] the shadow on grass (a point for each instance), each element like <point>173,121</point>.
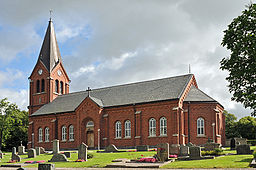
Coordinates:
<point>245,160</point>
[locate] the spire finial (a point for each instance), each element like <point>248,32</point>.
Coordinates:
<point>51,11</point>
<point>189,69</point>
<point>88,90</point>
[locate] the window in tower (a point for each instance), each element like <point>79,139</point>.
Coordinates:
<point>42,85</point>
<point>57,86</point>
<point>38,86</point>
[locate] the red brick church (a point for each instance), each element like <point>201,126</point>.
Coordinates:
<point>172,110</point>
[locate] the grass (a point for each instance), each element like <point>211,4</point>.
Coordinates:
<point>98,160</point>
<point>102,159</point>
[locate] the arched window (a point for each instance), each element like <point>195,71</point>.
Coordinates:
<point>57,86</point>
<point>40,135</point>
<point>61,88</point>
<point>163,126</point>
<point>118,129</point>
<point>200,126</point>
<point>42,85</point>
<point>38,86</point>
<point>64,133</point>
<point>46,134</point>
<point>152,127</point>
<point>71,133</point>
<point>90,124</point>
<point>127,127</point>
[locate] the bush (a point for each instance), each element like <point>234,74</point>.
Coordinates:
<point>252,142</point>
<point>89,156</point>
<point>254,154</point>
<point>215,152</point>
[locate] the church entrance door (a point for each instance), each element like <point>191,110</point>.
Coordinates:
<point>90,139</point>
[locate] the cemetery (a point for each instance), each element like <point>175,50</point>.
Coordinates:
<point>209,155</point>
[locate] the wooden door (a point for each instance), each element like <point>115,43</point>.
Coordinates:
<point>90,139</point>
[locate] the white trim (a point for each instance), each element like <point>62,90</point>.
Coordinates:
<point>175,134</point>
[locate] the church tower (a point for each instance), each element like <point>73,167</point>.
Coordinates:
<point>48,78</point>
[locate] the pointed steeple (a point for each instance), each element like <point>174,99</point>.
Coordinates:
<point>50,53</point>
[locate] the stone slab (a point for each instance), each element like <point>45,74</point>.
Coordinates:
<point>162,151</point>
<point>42,166</point>
<point>59,158</point>
<point>243,150</point>
<point>111,148</point>
<point>82,151</point>
<point>31,153</point>
<point>142,148</point>
<point>21,150</point>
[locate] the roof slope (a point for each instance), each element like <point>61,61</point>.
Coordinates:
<point>50,53</point>
<point>134,93</point>
<point>196,95</point>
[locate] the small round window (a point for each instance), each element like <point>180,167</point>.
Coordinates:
<point>90,124</point>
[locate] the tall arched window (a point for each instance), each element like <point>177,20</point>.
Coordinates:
<point>152,127</point>
<point>118,129</point>
<point>163,126</point>
<point>46,134</point>
<point>42,85</point>
<point>57,86</point>
<point>64,133</point>
<point>200,126</point>
<point>38,86</point>
<point>61,87</point>
<point>40,135</point>
<point>127,127</point>
<point>71,133</point>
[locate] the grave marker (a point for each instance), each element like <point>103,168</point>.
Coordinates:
<point>82,152</point>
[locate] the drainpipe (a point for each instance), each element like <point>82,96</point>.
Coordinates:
<point>188,123</point>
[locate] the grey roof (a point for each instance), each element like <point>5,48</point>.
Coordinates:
<point>50,53</point>
<point>196,95</point>
<point>134,93</point>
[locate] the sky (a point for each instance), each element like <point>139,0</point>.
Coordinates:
<point>105,43</point>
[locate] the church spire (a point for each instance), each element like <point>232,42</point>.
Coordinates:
<point>50,53</point>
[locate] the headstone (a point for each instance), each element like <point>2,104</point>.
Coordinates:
<point>142,148</point>
<point>37,150</point>
<point>82,152</point>
<point>21,150</point>
<point>31,153</point>
<point>163,151</point>
<point>184,151</point>
<point>242,141</point>
<point>46,166</point>
<point>190,144</point>
<point>42,150</point>
<point>56,146</point>
<point>15,157</point>
<point>67,154</point>
<point>211,146</point>
<point>195,152</point>
<point>111,148</point>
<point>174,149</point>
<point>232,144</point>
<point>243,149</point>
<point>59,158</point>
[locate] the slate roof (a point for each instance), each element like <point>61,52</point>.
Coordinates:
<point>196,95</point>
<point>134,93</point>
<point>50,53</point>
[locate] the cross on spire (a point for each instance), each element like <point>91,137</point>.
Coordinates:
<point>88,90</point>
<point>51,11</point>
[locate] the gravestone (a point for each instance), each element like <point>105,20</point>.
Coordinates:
<point>232,144</point>
<point>243,150</point>
<point>42,150</point>
<point>82,152</point>
<point>184,151</point>
<point>37,151</point>
<point>21,150</point>
<point>162,151</point>
<point>142,148</point>
<point>190,144</point>
<point>174,149</point>
<point>241,141</point>
<point>195,152</point>
<point>67,154</point>
<point>211,146</point>
<point>59,158</point>
<point>31,153</point>
<point>46,166</point>
<point>15,157</point>
<point>56,146</point>
<point>111,148</point>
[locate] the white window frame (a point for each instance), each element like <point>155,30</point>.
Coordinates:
<point>200,127</point>
<point>163,126</point>
<point>71,133</point>
<point>127,127</point>
<point>46,134</point>
<point>152,127</point>
<point>118,126</point>
<point>63,133</point>
<point>40,135</point>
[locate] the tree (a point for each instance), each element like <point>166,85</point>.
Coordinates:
<point>231,125</point>
<point>240,39</point>
<point>246,127</point>
<point>13,125</point>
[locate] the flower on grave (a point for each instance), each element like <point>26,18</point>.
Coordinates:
<point>149,160</point>
<point>80,160</point>
<point>173,156</point>
<point>141,155</point>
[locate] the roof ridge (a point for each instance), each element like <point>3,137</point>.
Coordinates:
<point>191,76</point>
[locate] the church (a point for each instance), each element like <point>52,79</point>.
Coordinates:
<point>172,110</point>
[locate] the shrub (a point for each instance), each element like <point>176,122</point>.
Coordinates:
<point>254,154</point>
<point>215,152</point>
<point>89,156</point>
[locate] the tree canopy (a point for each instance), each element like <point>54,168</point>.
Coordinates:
<point>13,125</point>
<point>240,39</point>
